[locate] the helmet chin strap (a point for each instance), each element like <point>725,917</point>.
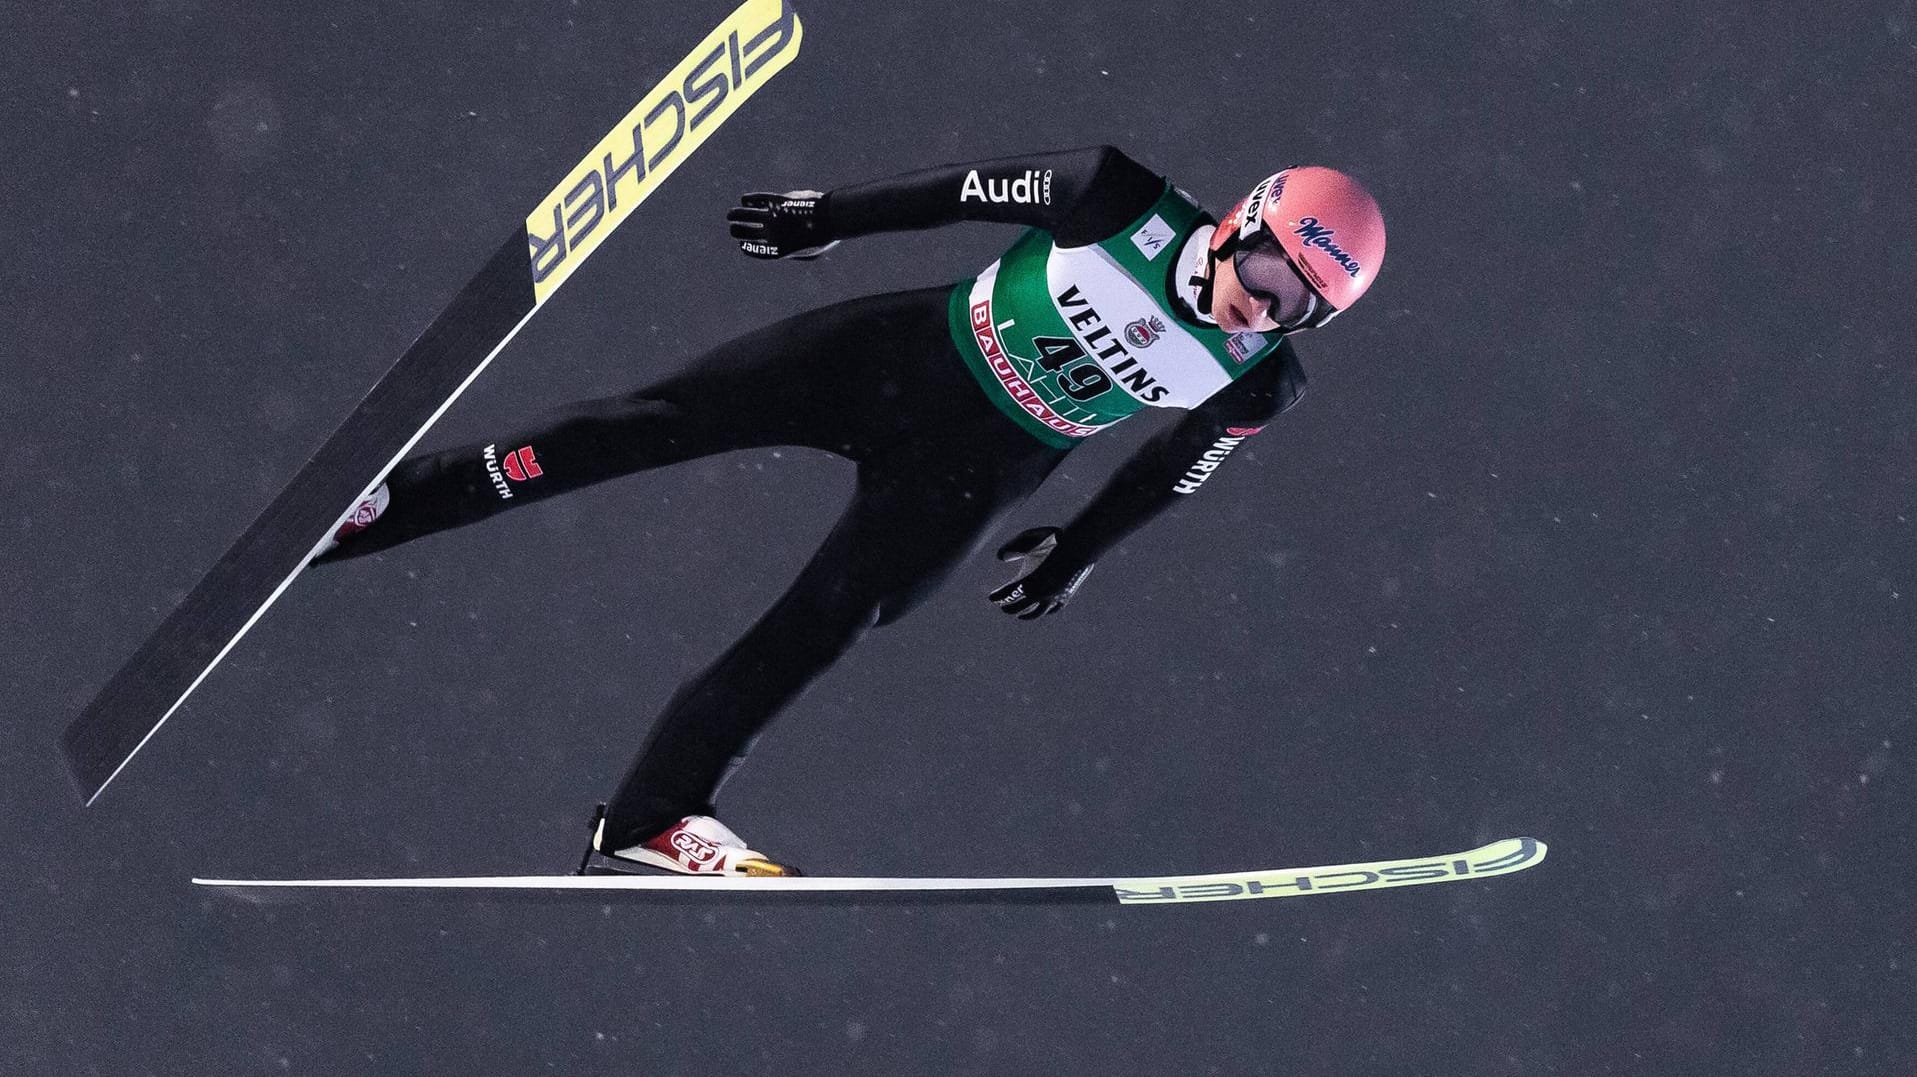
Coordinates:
<point>1205,274</point>
<point>1203,279</point>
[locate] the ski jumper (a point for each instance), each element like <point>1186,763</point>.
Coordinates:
<point>955,402</point>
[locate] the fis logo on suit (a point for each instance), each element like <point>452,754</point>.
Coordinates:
<point>1031,188</point>
<point>1153,237</point>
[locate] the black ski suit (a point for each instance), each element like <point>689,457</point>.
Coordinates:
<point>878,381</point>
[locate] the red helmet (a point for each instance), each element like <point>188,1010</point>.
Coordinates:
<point>1324,226</point>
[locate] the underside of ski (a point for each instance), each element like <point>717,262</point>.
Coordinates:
<point>671,121</point>
<point>1498,858</point>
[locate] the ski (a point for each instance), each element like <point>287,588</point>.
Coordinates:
<point>672,120</point>
<point>1498,858</point>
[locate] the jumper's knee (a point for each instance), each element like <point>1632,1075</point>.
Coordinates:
<point>617,417</point>
<point>896,605</point>
<point>834,628</point>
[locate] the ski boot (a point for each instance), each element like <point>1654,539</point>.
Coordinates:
<point>695,845</point>
<point>369,509</point>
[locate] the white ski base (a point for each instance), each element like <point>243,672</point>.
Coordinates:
<point>1498,858</point>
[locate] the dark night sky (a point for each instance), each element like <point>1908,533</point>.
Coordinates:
<point>1597,525</point>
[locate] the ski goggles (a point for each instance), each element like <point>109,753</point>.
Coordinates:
<point>1268,274</point>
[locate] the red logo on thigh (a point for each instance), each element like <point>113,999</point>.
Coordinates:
<point>521,465</point>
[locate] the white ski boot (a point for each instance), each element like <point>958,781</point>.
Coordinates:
<point>695,845</point>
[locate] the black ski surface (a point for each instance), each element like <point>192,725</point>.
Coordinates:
<point>243,583</point>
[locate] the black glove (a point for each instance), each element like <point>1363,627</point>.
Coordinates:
<point>789,225</point>
<point>1049,584</point>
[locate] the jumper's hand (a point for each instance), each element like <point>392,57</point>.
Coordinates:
<point>789,225</point>
<point>1050,583</point>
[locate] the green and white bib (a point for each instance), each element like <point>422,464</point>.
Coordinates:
<point>1068,341</point>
